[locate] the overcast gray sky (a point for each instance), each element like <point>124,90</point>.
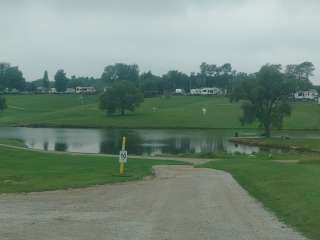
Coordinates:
<point>83,36</point>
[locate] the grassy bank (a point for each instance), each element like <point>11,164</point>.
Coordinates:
<point>28,171</point>
<point>290,190</point>
<point>298,144</point>
<point>174,112</point>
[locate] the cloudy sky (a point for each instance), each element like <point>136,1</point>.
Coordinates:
<point>83,36</point>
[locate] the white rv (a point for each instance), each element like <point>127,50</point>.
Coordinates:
<point>311,94</point>
<point>85,90</point>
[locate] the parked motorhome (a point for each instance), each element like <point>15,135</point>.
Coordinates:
<point>207,91</point>
<point>311,94</point>
<point>196,91</point>
<point>86,90</point>
<point>179,91</point>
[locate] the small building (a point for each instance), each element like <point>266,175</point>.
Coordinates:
<point>86,90</point>
<point>311,94</point>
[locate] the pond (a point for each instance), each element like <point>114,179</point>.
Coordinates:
<point>140,142</point>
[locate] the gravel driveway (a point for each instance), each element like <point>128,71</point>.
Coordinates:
<point>181,202</point>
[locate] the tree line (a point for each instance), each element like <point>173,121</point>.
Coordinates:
<point>209,75</point>
<point>265,95</point>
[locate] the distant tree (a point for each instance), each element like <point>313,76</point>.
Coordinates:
<point>175,79</point>
<point>11,77</point>
<point>150,84</point>
<point>3,104</point>
<point>301,72</point>
<point>266,97</point>
<point>120,71</point>
<point>216,76</point>
<point>61,81</point>
<point>45,80</point>
<point>31,86</point>
<point>75,81</point>
<point>3,68</point>
<point>122,96</point>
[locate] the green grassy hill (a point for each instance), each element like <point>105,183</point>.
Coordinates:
<point>174,112</point>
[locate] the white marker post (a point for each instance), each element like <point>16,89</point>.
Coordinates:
<point>123,156</point>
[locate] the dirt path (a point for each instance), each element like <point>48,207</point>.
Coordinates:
<point>181,203</point>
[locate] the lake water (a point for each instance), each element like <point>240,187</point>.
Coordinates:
<point>140,142</point>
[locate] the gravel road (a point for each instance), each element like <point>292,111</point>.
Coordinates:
<point>181,202</point>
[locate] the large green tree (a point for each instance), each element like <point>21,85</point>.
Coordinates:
<point>121,97</point>
<point>3,104</point>
<point>61,81</point>
<point>266,98</point>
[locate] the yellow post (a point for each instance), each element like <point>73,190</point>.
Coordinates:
<point>122,169</point>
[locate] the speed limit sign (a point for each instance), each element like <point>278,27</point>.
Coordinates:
<point>123,156</point>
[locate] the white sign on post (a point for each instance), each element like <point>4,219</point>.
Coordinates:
<point>123,157</point>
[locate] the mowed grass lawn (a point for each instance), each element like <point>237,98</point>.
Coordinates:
<point>161,112</point>
<point>29,171</point>
<point>292,191</point>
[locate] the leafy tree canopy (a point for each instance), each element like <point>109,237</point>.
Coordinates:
<point>122,96</point>
<point>120,71</point>
<point>266,97</point>
<point>11,77</point>
<point>61,81</point>
<point>45,80</point>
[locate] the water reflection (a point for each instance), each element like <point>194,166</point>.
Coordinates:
<point>140,142</point>
<point>60,147</point>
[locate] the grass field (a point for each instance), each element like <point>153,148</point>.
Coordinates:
<point>174,112</point>
<point>28,171</point>
<point>292,191</point>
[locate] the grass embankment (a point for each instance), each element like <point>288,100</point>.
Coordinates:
<point>174,112</point>
<point>298,144</point>
<point>290,190</point>
<point>12,142</point>
<point>28,171</point>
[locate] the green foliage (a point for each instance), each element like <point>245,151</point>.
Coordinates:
<point>61,81</point>
<point>301,71</point>
<point>175,79</point>
<point>266,97</point>
<point>120,71</point>
<point>150,84</point>
<point>122,96</point>
<point>216,76</point>
<point>11,77</point>
<point>45,80</point>
<point>3,104</point>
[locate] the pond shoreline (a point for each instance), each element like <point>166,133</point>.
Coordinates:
<point>151,127</point>
<point>255,142</point>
